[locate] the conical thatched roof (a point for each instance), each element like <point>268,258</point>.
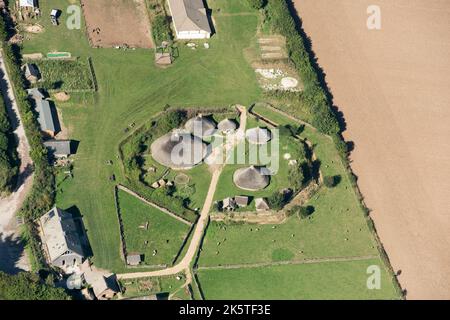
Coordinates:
<point>251,178</point>
<point>179,150</point>
<point>200,126</point>
<point>227,125</point>
<point>258,135</point>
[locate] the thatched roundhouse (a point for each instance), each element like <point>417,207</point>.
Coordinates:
<point>179,150</point>
<point>251,178</point>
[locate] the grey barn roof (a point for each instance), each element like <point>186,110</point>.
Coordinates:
<point>60,233</point>
<point>179,150</point>
<point>35,93</point>
<point>31,70</point>
<point>45,115</point>
<point>189,15</point>
<point>200,126</point>
<point>251,178</point>
<point>59,147</point>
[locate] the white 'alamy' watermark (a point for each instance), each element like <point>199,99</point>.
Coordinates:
<point>374,280</point>
<point>374,19</point>
<point>73,21</point>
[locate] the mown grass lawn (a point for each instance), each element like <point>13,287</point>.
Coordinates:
<point>132,89</point>
<point>325,280</point>
<point>164,234</point>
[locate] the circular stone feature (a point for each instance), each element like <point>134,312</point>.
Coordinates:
<point>258,135</point>
<point>251,178</point>
<point>200,126</point>
<point>179,150</point>
<point>289,83</point>
<point>181,179</point>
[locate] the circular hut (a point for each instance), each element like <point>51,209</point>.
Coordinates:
<point>251,178</point>
<point>258,135</point>
<point>179,150</point>
<point>200,126</point>
<point>227,126</point>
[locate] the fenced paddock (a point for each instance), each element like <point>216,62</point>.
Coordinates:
<point>111,23</point>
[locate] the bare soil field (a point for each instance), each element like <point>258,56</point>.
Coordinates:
<point>392,86</point>
<point>112,23</point>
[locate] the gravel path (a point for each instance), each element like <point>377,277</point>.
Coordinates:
<point>12,257</point>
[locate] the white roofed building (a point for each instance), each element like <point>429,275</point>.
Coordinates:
<point>190,19</point>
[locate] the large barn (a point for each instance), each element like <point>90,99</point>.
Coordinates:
<point>190,19</point>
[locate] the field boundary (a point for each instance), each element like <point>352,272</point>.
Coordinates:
<point>136,195</point>
<point>282,263</point>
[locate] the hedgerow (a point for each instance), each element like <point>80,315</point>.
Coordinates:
<point>8,152</point>
<point>313,95</point>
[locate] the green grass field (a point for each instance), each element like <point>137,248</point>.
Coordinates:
<point>325,280</point>
<point>165,234</point>
<point>132,89</point>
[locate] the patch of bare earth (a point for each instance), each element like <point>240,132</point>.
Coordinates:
<point>113,23</point>
<point>393,87</point>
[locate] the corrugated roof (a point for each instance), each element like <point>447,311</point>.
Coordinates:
<point>45,117</point>
<point>60,233</point>
<point>189,15</point>
<point>59,147</point>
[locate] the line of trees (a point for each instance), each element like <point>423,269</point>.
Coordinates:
<point>41,197</point>
<point>313,95</point>
<point>8,153</point>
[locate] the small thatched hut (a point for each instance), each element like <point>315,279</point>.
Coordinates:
<point>227,126</point>
<point>200,126</point>
<point>258,135</point>
<point>251,178</point>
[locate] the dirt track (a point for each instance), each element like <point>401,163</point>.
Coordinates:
<point>393,87</point>
<point>116,22</point>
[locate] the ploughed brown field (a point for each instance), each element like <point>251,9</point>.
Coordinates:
<point>112,23</point>
<point>393,87</point>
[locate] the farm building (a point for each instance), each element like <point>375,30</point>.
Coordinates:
<point>59,148</point>
<point>251,178</point>
<point>227,126</point>
<point>261,205</point>
<point>190,19</point>
<point>258,135</point>
<point>62,240</point>
<point>31,72</point>
<point>46,117</point>
<point>103,286</point>
<point>200,126</point>
<point>179,150</point>
<point>35,93</point>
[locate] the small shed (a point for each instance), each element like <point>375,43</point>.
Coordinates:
<point>59,148</point>
<point>241,201</point>
<point>31,72</point>
<point>36,94</point>
<point>228,204</point>
<point>134,259</point>
<point>261,205</point>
